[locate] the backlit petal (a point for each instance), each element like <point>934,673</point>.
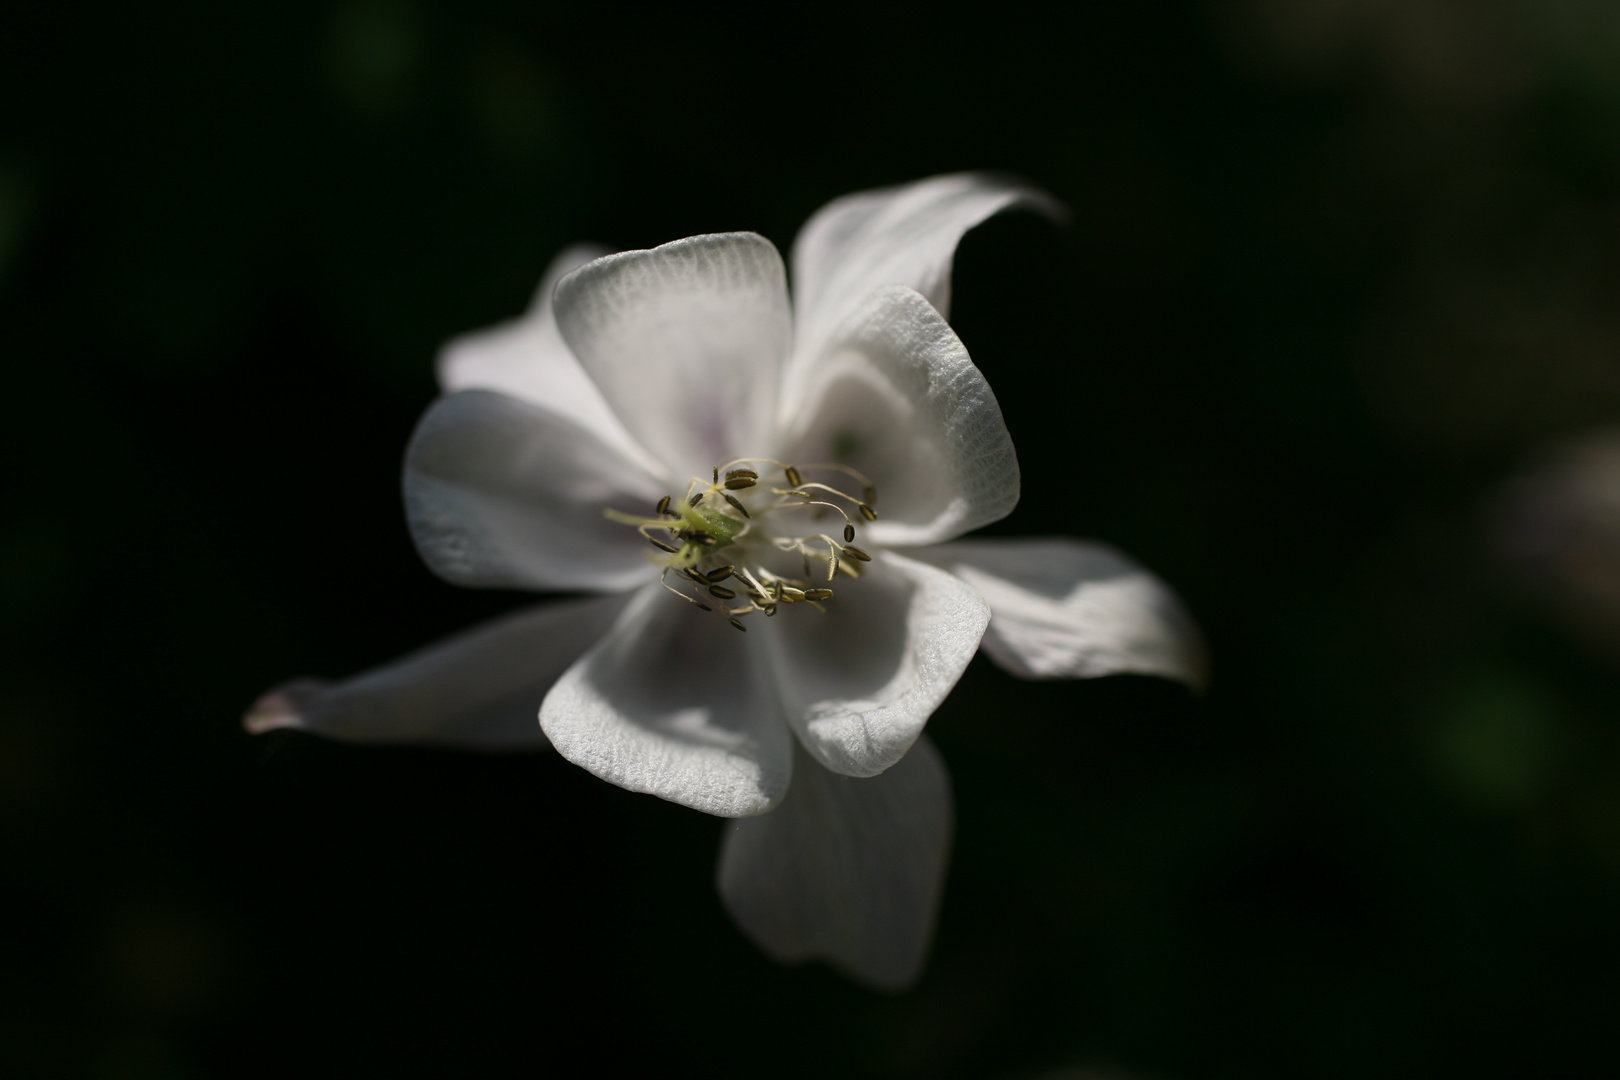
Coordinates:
<point>686,342</point>
<point>846,870</point>
<point>503,493</point>
<point>480,689</point>
<point>897,398</point>
<point>859,681</point>
<point>893,236</point>
<point>526,359</point>
<point>1068,609</point>
<point>673,702</point>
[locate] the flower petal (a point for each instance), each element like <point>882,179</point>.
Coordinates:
<point>673,702</point>
<point>1068,609</point>
<point>892,236</point>
<point>898,398</point>
<point>686,342</point>
<point>503,493</point>
<point>479,689</point>
<point>526,358</point>
<point>859,682</point>
<point>846,870</point>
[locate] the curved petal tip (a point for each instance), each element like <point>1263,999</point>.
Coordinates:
<point>277,709</point>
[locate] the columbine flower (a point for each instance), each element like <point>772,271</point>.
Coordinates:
<point>665,427</point>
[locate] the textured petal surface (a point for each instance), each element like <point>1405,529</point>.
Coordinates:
<point>500,492</point>
<point>686,341</point>
<point>859,681</point>
<point>673,702</point>
<point>846,870</point>
<point>527,359</point>
<point>1066,609</point>
<point>480,689</point>
<point>894,236</point>
<point>898,398</point>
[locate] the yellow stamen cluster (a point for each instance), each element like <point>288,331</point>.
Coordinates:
<point>725,545</point>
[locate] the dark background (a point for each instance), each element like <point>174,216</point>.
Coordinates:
<point>1335,271</point>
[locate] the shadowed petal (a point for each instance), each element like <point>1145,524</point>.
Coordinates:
<point>898,398</point>
<point>846,870</point>
<point>686,342</point>
<point>526,359</point>
<point>1068,609</point>
<point>672,702</point>
<point>860,681</point>
<point>894,236</point>
<point>480,689</point>
<point>502,493</point>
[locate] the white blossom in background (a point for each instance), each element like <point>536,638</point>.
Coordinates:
<point>767,494</point>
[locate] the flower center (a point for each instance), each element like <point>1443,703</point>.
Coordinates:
<point>740,544</point>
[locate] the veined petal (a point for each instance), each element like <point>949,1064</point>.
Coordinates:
<point>859,682</point>
<point>673,702</point>
<point>686,342</point>
<point>503,493</point>
<point>898,398</point>
<point>1068,609</point>
<point>846,870</point>
<point>893,236</point>
<point>527,359</point>
<point>480,689</point>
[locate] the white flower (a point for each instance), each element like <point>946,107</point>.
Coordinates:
<point>685,372</point>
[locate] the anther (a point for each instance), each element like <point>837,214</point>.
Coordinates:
<point>716,473</point>
<point>739,506</point>
<point>849,533</point>
<point>856,553</point>
<point>718,575</point>
<point>721,593</point>
<point>793,477</point>
<point>663,505</point>
<point>671,548</point>
<point>868,513</point>
<point>741,478</point>
<point>818,594</point>
<point>697,497</point>
<point>789,593</point>
<point>738,625</point>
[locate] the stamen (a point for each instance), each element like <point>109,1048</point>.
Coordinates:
<point>694,601</point>
<point>692,536</point>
